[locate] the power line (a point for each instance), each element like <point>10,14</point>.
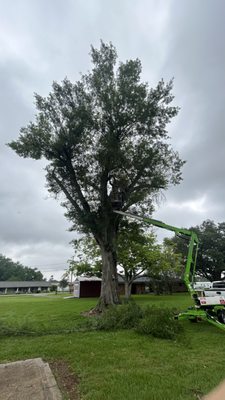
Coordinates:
<point>46,265</point>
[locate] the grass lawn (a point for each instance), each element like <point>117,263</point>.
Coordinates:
<point>114,365</point>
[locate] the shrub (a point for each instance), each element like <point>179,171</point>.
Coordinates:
<point>160,323</point>
<point>125,316</point>
<point>153,321</point>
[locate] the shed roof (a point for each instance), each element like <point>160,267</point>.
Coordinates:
<point>139,279</point>
<point>23,284</point>
<point>87,278</point>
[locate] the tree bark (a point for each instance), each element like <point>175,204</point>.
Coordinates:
<point>109,288</point>
<point>127,286</point>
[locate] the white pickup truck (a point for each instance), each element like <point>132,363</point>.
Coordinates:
<point>202,285</point>
<point>217,289</point>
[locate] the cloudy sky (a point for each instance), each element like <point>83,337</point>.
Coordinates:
<point>46,40</point>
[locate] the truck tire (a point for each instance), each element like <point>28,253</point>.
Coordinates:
<point>221,316</point>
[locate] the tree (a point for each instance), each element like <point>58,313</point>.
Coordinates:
<point>63,283</point>
<point>70,272</point>
<point>106,144</point>
<point>82,268</point>
<point>167,268</point>
<point>88,256</point>
<point>137,253</point>
<point>14,271</point>
<point>211,254</point>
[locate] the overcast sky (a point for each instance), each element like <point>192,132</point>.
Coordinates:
<point>46,40</point>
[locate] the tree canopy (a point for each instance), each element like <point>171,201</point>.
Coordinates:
<point>211,254</point>
<point>14,271</point>
<point>106,142</point>
<point>138,252</point>
<point>168,267</point>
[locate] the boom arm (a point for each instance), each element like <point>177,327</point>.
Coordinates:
<point>192,248</point>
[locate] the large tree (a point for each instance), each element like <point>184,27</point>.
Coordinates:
<point>106,145</point>
<point>14,271</point>
<point>211,254</point>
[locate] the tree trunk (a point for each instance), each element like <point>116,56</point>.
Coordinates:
<point>109,288</point>
<point>127,286</point>
<point>157,287</point>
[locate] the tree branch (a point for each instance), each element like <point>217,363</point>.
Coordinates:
<point>81,197</point>
<point>67,194</point>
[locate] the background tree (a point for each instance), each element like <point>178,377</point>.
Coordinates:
<point>107,147</point>
<point>14,271</point>
<point>84,268</point>
<point>211,254</point>
<point>87,260</point>
<point>70,274</point>
<point>137,253</point>
<point>63,283</point>
<point>168,267</point>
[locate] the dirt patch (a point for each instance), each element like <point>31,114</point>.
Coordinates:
<point>66,379</point>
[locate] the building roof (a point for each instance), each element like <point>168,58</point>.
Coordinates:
<point>139,279</point>
<point>23,284</point>
<point>87,278</point>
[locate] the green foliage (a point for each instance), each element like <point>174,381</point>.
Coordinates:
<point>63,283</point>
<point>138,253</point>
<point>160,323</point>
<point>82,268</point>
<point>14,271</point>
<point>168,267</point>
<point>211,254</point>
<point>105,139</point>
<point>53,288</point>
<point>155,321</point>
<point>137,249</point>
<point>86,269</point>
<point>125,316</point>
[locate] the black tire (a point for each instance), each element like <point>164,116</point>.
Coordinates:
<point>193,320</point>
<point>221,316</point>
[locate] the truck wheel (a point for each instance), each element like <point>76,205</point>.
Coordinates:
<point>221,316</point>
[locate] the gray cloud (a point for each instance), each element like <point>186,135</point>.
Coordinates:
<point>44,41</point>
<point>196,57</point>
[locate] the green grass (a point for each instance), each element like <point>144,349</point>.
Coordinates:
<point>116,365</point>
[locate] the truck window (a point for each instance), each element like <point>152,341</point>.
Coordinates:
<point>219,285</point>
